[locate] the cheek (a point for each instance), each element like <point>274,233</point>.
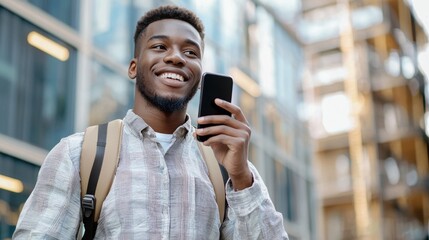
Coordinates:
<point>197,69</point>
<point>148,59</point>
<point>144,68</point>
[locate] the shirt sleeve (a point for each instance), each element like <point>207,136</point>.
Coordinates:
<point>53,209</point>
<point>251,213</point>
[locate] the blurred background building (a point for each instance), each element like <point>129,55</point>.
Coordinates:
<point>367,102</point>
<point>63,66</point>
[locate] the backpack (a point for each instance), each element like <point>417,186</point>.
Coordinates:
<point>99,160</point>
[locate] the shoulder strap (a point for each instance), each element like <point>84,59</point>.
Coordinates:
<point>218,176</point>
<point>98,163</point>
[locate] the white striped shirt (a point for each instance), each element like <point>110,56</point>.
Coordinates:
<point>154,195</point>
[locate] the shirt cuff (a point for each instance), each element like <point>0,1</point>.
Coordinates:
<point>245,201</point>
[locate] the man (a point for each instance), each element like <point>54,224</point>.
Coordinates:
<point>161,189</point>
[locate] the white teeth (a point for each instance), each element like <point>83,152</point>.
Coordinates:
<point>173,76</point>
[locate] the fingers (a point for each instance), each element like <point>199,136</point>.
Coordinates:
<point>225,133</point>
<point>233,109</point>
<point>228,130</point>
<point>237,120</point>
<point>222,120</point>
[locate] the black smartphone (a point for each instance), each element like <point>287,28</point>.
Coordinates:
<point>213,86</point>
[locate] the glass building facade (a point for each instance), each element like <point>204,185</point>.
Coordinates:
<point>46,96</point>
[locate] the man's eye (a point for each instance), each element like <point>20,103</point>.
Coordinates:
<point>191,53</point>
<point>159,46</point>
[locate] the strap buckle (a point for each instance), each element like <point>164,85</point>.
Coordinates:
<point>88,204</point>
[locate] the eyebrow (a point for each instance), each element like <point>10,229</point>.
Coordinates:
<point>164,37</point>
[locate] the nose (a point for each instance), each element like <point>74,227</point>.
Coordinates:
<point>175,57</point>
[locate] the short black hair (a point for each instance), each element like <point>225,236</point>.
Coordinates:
<point>167,12</point>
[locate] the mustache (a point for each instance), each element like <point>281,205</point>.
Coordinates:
<point>165,104</point>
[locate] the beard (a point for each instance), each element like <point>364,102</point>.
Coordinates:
<point>165,104</point>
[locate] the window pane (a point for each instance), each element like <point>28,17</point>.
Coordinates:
<point>113,25</point>
<point>66,11</point>
<point>36,88</point>
<point>286,191</point>
<point>11,202</point>
<point>111,95</point>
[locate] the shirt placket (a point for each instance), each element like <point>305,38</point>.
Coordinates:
<point>165,201</point>
<point>165,192</point>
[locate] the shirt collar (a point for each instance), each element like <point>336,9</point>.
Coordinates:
<point>138,125</point>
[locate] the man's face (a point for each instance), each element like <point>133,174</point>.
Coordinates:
<point>168,64</point>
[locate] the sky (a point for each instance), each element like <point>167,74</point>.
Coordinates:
<point>421,8</point>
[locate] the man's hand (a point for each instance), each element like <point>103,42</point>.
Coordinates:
<point>230,142</point>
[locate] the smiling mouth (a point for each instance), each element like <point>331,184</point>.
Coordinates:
<point>173,76</point>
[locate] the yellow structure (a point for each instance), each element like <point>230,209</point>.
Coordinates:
<point>367,102</point>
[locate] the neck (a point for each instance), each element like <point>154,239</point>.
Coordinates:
<point>158,120</point>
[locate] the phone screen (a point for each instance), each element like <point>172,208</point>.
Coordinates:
<point>213,86</point>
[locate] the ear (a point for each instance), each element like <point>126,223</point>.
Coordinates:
<point>132,69</point>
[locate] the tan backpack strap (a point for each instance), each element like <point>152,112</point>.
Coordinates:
<point>98,163</point>
<point>216,177</point>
